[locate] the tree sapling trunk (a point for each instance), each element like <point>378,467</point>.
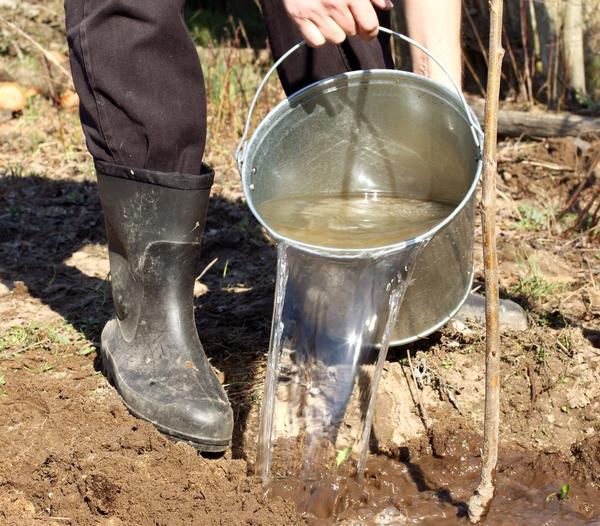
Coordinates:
<point>480,501</point>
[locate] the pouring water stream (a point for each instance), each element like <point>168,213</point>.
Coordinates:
<point>332,322</point>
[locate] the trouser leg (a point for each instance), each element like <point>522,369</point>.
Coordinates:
<point>309,65</point>
<point>138,75</point>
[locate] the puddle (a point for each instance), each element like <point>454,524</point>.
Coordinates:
<point>427,490</point>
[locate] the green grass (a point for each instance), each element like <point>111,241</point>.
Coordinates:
<point>342,456</point>
<point>206,26</point>
<point>561,495</point>
<point>15,210</point>
<point>534,287</point>
<point>565,340</point>
<point>541,354</point>
<point>533,218</point>
<point>44,368</point>
<point>16,337</point>
<point>51,336</point>
<point>212,22</point>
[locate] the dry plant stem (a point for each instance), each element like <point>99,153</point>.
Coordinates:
<point>473,73</point>
<point>39,47</point>
<point>480,501</point>
<point>517,72</point>
<point>537,41</point>
<point>525,43</point>
<point>476,34</point>
<point>419,397</point>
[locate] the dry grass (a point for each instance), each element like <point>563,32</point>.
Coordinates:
<point>232,74</point>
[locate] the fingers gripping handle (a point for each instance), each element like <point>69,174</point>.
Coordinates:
<point>475,128</point>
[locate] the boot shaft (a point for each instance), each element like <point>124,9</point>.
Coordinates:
<point>154,225</point>
<point>141,206</point>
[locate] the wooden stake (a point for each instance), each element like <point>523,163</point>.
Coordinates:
<point>480,501</point>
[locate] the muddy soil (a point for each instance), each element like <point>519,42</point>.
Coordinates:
<point>70,453</point>
<point>430,482</point>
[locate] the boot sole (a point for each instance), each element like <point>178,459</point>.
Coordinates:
<point>202,445</point>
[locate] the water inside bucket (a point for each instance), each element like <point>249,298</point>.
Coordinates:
<point>332,322</point>
<point>359,220</point>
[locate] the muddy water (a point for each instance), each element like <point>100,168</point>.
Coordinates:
<point>352,221</point>
<point>431,491</point>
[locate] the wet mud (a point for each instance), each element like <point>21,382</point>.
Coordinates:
<point>430,485</point>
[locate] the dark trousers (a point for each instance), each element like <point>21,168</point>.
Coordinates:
<point>140,83</point>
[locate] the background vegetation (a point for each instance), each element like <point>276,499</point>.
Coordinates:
<point>553,46</point>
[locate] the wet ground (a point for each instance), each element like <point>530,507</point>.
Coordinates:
<point>430,484</point>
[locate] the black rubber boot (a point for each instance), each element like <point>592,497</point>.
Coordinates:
<point>151,350</point>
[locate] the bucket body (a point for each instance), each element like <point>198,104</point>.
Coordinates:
<point>379,131</point>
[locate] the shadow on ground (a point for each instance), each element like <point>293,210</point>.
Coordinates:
<point>43,222</point>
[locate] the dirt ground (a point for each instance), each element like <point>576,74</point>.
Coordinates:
<point>70,453</point>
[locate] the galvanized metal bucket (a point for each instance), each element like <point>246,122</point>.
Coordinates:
<point>378,130</point>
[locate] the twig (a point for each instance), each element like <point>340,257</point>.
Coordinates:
<point>567,353</point>
<point>537,45</point>
<point>419,398</point>
<point>476,33</point>
<point>534,389</point>
<point>39,47</point>
<point>513,61</point>
<point>35,345</point>
<point>550,166</point>
<point>525,43</point>
<point>474,74</point>
<point>207,268</point>
<point>480,501</point>
<point>55,101</point>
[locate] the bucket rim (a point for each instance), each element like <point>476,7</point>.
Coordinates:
<point>329,84</point>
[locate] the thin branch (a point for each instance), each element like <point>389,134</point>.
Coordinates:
<point>49,56</point>
<point>474,74</point>
<point>476,33</point>
<point>525,44</point>
<point>419,397</point>
<point>206,269</point>
<point>481,499</point>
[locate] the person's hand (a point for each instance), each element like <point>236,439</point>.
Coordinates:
<point>322,21</point>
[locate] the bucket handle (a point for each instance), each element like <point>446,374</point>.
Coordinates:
<point>241,149</point>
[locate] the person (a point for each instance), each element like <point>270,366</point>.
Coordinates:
<point>143,113</point>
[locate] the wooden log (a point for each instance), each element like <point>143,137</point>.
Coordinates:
<point>69,100</point>
<point>13,96</point>
<point>513,123</point>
